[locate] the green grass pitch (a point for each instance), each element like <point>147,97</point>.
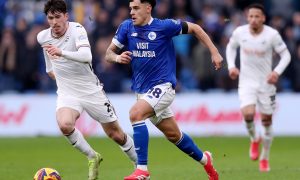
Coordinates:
<point>20,158</point>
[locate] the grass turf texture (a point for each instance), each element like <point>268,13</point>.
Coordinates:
<point>20,158</point>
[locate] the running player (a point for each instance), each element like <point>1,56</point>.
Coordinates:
<point>256,77</point>
<point>68,60</point>
<point>152,58</point>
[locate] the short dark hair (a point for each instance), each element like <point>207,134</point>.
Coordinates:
<point>257,6</point>
<point>151,2</point>
<point>54,6</point>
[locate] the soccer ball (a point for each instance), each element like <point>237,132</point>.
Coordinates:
<point>47,174</point>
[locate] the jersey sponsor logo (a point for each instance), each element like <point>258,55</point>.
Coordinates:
<point>255,52</point>
<point>152,36</point>
<point>137,53</point>
<point>144,52</point>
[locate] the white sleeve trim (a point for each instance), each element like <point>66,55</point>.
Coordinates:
<point>117,43</point>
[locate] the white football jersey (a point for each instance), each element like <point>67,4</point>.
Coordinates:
<point>72,77</point>
<point>256,54</point>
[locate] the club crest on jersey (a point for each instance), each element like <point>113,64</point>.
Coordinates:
<point>152,36</point>
<point>82,37</point>
<point>134,34</point>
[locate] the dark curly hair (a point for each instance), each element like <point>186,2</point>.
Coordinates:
<point>151,2</point>
<point>54,6</point>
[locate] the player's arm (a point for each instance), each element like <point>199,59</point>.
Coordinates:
<point>196,30</point>
<point>231,52</point>
<point>83,54</point>
<point>49,69</point>
<point>113,56</point>
<point>285,58</point>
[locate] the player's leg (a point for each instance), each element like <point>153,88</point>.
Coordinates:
<point>267,138</point>
<point>248,99</point>
<point>68,111</point>
<point>185,143</point>
<point>99,108</point>
<point>140,111</point>
<point>115,132</point>
<point>266,105</point>
<point>249,114</point>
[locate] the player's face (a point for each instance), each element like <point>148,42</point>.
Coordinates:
<point>256,19</point>
<point>58,21</point>
<point>140,12</point>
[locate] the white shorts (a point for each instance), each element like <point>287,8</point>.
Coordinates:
<point>264,99</point>
<point>160,97</point>
<point>96,105</point>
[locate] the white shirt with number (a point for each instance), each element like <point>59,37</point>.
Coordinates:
<point>72,77</point>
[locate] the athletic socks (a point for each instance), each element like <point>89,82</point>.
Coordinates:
<point>251,130</point>
<point>141,140</point>
<point>78,141</point>
<point>266,142</point>
<point>129,148</point>
<point>187,145</point>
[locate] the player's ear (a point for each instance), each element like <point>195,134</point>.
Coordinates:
<point>149,8</point>
<point>67,15</point>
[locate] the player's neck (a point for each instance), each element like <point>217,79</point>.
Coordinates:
<point>62,34</point>
<point>148,21</point>
<point>256,31</point>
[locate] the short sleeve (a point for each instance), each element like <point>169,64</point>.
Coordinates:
<point>120,38</point>
<point>172,27</point>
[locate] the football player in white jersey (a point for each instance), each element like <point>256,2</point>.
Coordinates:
<point>257,79</point>
<point>68,60</point>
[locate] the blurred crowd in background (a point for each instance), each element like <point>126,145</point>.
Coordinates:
<point>22,66</point>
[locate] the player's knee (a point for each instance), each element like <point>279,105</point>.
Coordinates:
<point>116,136</point>
<point>173,137</point>
<point>249,117</point>
<point>66,128</point>
<point>266,122</point>
<point>135,116</point>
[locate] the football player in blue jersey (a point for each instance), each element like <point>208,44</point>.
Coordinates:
<point>151,54</point>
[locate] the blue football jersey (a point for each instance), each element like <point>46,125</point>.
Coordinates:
<point>153,55</point>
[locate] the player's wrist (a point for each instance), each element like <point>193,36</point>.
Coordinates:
<point>118,59</point>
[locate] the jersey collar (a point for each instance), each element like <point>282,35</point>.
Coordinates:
<point>151,20</point>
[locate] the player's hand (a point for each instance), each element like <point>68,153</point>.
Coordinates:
<point>217,60</point>
<point>273,77</point>
<point>234,73</point>
<point>52,50</point>
<point>124,58</point>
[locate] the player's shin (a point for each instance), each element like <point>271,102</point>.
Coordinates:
<point>187,145</point>
<point>141,140</point>
<point>129,148</point>
<point>77,140</point>
<point>267,139</point>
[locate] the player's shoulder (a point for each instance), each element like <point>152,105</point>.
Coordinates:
<point>43,36</point>
<point>242,29</point>
<point>76,25</point>
<point>270,30</point>
<point>166,21</point>
<point>127,23</point>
